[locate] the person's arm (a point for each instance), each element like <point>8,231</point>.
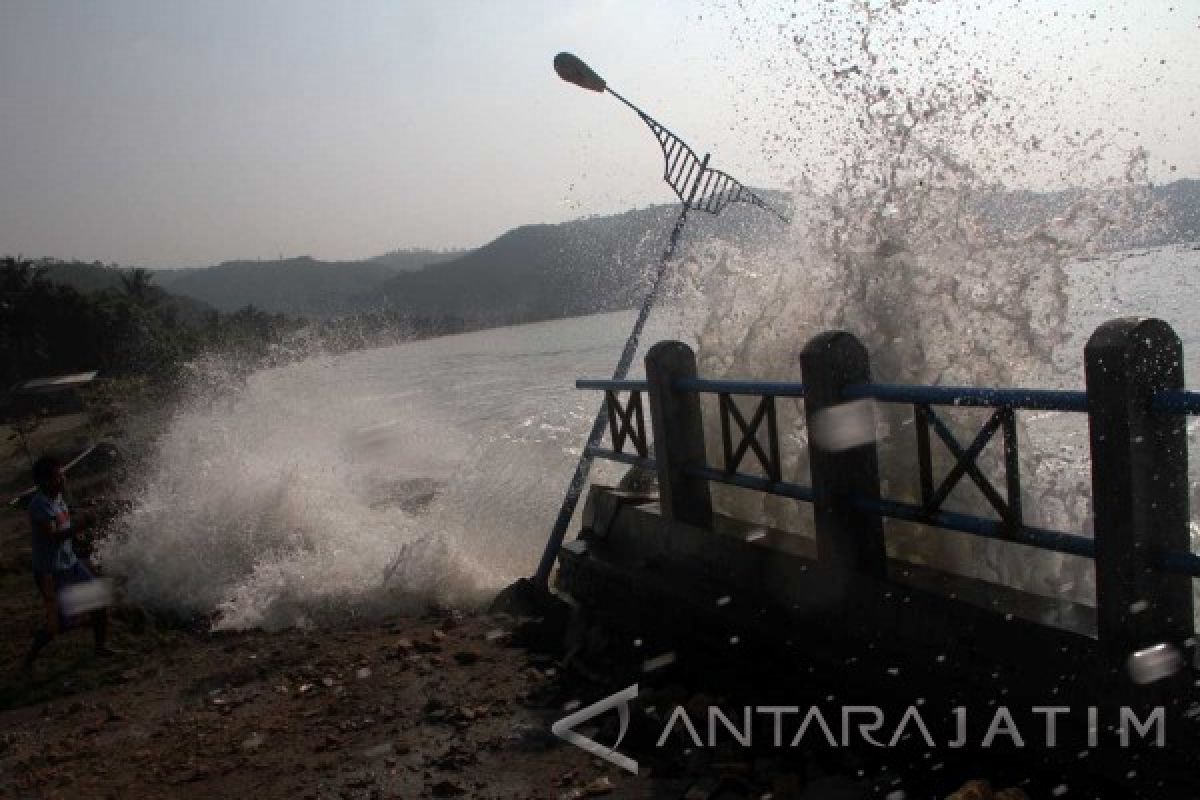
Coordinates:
<point>49,529</point>
<point>46,525</point>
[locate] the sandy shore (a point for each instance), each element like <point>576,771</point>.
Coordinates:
<point>435,705</point>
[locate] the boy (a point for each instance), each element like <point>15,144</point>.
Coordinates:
<point>55,565</point>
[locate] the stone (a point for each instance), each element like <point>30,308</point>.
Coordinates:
<point>600,786</point>
<point>973,790</point>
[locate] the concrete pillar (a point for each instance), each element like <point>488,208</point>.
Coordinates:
<point>847,539</point>
<point>1139,485</point>
<point>678,426</point>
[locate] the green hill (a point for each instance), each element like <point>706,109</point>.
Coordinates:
<point>302,286</point>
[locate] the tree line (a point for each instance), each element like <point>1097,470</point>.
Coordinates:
<point>134,328</point>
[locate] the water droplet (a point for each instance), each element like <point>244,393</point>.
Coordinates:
<point>1154,663</point>
<point>658,662</point>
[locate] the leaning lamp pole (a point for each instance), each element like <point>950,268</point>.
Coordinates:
<point>698,188</point>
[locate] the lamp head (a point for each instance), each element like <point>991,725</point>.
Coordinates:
<point>572,70</point>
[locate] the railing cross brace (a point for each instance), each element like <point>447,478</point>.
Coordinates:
<point>965,461</point>
<point>627,422</point>
<point>749,435</point>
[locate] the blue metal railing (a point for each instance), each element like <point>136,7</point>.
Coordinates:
<point>965,396</point>
<point>1181,563</point>
<point>1042,538</point>
<point>1179,402</point>
<point>1176,401</point>
<point>765,485</point>
<point>629,385</point>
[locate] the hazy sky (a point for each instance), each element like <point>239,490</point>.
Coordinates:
<point>170,133</point>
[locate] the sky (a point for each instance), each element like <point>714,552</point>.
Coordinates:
<point>164,133</point>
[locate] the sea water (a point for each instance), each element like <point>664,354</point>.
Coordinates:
<point>376,480</point>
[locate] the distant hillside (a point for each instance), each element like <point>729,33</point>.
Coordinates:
<point>1177,202</point>
<point>578,267</point>
<point>540,272</point>
<point>301,285</point>
<point>1182,202</point>
<point>412,259</point>
<point>533,272</point>
<point>537,271</point>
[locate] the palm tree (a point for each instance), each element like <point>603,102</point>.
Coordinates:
<point>137,283</point>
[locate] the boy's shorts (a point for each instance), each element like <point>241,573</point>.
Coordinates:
<point>75,575</point>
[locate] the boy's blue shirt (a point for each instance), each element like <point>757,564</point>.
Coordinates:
<point>48,555</point>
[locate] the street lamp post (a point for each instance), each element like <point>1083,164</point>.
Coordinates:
<point>699,188</point>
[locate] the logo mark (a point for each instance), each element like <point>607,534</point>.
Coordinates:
<point>565,728</point>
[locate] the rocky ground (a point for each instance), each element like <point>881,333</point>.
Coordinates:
<point>434,707</point>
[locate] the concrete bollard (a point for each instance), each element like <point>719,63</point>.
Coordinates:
<point>847,539</point>
<point>678,425</point>
<point>1139,485</point>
